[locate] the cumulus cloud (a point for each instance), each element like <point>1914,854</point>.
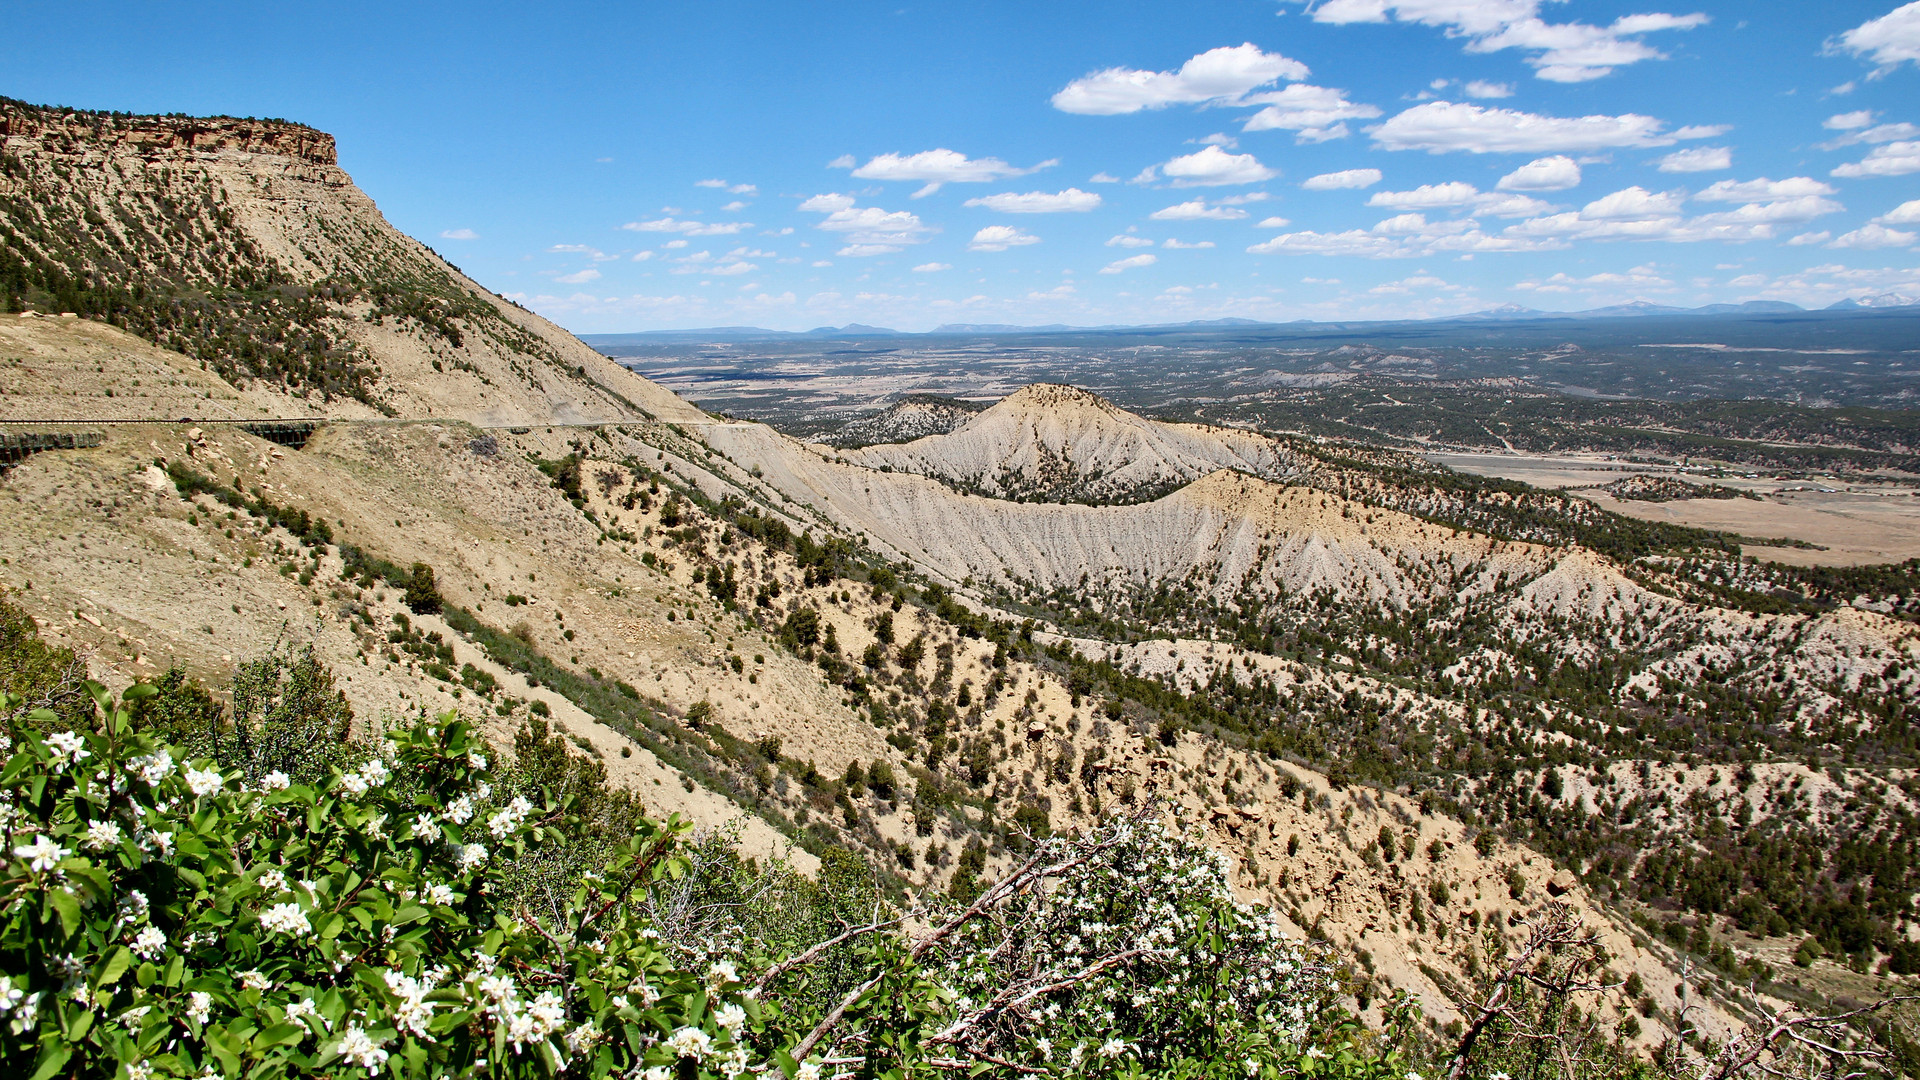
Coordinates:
<point>1848,121</point>
<point>1197,210</point>
<point>1890,159</point>
<point>1217,76</point>
<point>1131,262</point>
<point>1000,238</point>
<point>736,189</point>
<point>1763,189</point>
<point>1907,213</point>
<point>593,253</point>
<point>1556,173</point>
<point>1889,41</point>
<point>1634,213</point>
<point>580,277</point>
<point>1312,113</point>
<point>939,166</point>
<point>1214,167</point>
<point>1123,240</point>
<point>1698,159</point>
<point>1480,88</point>
<point>1560,52</point>
<point>869,230</point>
<point>1808,238</point>
<point>688,228</point>
<point>459,234</point>
<point>1870,236</point>
<point>1345,178</point>
<point>932,267</point>
<point>1439,127</point>
<point>1039,202</point>
<point>1182,245</point>
<point>1403,236</point>
<point>1640,277</point>
<point>1103,178</point>
<point>1428,196</point>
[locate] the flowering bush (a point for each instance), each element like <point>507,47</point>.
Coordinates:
<point>165,916</point>
<point>159,917</point>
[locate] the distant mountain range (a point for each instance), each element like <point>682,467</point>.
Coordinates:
<point>1503,313</point>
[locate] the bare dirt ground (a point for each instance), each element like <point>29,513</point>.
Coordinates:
<point>1855,523</point>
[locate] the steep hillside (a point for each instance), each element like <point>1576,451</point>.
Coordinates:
<point>241,244</point>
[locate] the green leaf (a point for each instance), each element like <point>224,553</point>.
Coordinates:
<point>67,906</point>
<point>52,1058</point>
<point>114,966</point>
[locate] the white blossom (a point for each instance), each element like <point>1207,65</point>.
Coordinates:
<point>439,895</point>
<point>355,1046</point>
<point>732,1017</point>
<point>468,856</point>
<point>477,760</point>
<point>459,810</point>
<point>275,781</point>
<point>199,1004</point>
<point>10,995</point>
<point>255,980</point>
<point>690,1042</point>
<point>42,855</point>
<point>68,749</point>
<point>150,943</point>
<point>153,767</point>
<point>273,880</point>
<point>102,835</point>
<point>414,1012</point>
<point>204,782</point>
<point>285,919</point>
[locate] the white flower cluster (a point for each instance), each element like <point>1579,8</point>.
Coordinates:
<point>522,1022</point>
<point>153,768</point>
<point>68,749</point>
<point>413,1011</point>
<point>371,775</point>
<point>42,855</point>
<point>285,919</point>
<point>508,820</point>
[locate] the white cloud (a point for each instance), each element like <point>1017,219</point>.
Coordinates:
<point>1313,113</point>
<point>688,228</point>
<point>1874,236</point>
<point>1103,178</point>
<point>1480,88</point>
<point>844,161</point>
<point>734,205</point>
<point>1197,210</point>
<point>1805,239</point>
<point>1699,159</point>
<point>1640,277</point>
<point>1213,167</point>
<point>939,166</point>
<point>581,249</point>
<point>932,267</point>
<point>579,278</point>
<point>869,230</point>
<point>1131,262</point>
<point>674,245</point>
<point>459,234</point>
<point>1635,213</point>
<point>1275,222</point>
<point>1039,202</point>
<point>1217,76</point>
<point>1556,173</point>
<point>1458,194</point>
<point>1889,41</point>
<point>1562,52</point>
<point>1123,240</point>
<point>1892,159</point>
<point>1000,238</point>
<point>642,256</point>
<point>1428,196</point>
<point>735,189</point>
<point>1402,236</point>
<point>1182,245</point>
<point>1848,121</point>
<point>1442,126</point>
<point>1907,213</point>
<point>1345,178</point>
<point>1763,189</point>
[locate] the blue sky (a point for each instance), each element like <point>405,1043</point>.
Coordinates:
<point>641,166</point>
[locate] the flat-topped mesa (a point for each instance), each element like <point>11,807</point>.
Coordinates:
<point>73,131</point>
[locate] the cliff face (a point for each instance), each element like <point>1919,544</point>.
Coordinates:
<point>243,247</point>
<point>77,133</point>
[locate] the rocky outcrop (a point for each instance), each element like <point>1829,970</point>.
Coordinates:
<point>76,132</point>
